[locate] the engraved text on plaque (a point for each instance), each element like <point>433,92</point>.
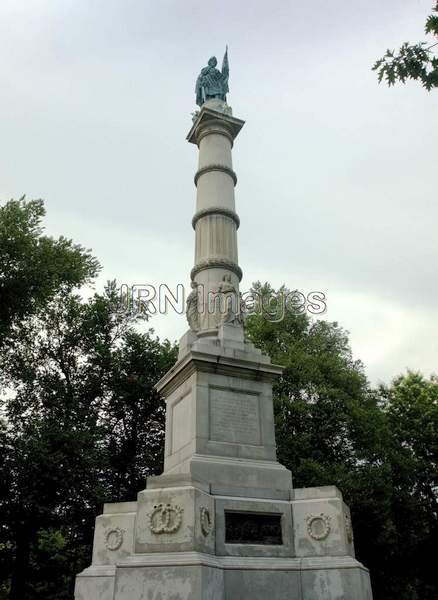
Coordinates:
<point>234,416</point>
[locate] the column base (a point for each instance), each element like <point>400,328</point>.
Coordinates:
<point>197,576</point>
<point>179,542</point>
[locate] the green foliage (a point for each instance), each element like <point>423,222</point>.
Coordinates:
<point>85,426</point>
<point>411,407</point>
<point>319,398</point>
<point>411,410</point>
<point>413,61</point>
<point>34,267</point>
<point>378,446</point>
<point>432,23</point>
<point>80,422</point>
<point>50,541</point>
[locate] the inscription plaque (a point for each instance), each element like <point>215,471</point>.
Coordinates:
<point>234,417</point>
<point>252,528</point>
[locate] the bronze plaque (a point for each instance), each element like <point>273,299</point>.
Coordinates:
<point>253,528</point>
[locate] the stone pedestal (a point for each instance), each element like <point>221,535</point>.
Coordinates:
<point>223,522</point>
<point>189,557</point>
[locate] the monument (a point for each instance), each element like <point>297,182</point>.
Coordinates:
<point>223,521</point>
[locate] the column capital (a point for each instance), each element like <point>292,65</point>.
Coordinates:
<point>209,120</point>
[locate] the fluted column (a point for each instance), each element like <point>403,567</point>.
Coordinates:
<point>215,221</point>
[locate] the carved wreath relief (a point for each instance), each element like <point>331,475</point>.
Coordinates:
<point>113,538</point>
<point>165,518</point>
<point>206,521</point>
<point>318,526</point>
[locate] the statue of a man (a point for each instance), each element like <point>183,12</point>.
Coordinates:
<point>211,82</point>
<point>192,311</point>
<point>229,302</point>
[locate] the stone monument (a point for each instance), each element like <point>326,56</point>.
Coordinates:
<point>223,521</point>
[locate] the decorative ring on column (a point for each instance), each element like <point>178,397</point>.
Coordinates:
<point>216,210</point>
<point>216,263</point>
<point>210,128</point>
<point>222,168</point>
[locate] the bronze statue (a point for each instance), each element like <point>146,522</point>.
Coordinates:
<point>211,82</point>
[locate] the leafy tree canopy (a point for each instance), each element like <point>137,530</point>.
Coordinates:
<point>33,266</point>
<point>378,446</point>
<point>80,420</point>
<point>412,61</point>
<point>81,423</point>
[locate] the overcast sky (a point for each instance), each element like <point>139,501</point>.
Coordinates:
<point>337,176</point>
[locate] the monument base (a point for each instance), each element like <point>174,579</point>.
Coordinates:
<point>223,522</point>
<point>196,576</point>
<point>194,551</point>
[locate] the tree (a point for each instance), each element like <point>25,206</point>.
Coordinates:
<point>81,423</point>
<point>33,269</point>
<point>322,400</point>
<point>413,61</point>
<point>375,445</point>
<point>33,266</point>
<point>410,405</point>
<point>80,420</point>
<point>84,426</point>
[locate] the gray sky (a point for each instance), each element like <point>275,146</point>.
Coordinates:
<point>337,185</point>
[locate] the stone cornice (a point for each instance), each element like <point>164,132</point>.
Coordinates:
<point>212,121</point>
<point>216,263</point>
<point>196,361</point>
<point>209,168</point>
<point>216,210</point>
<point>241,563</point>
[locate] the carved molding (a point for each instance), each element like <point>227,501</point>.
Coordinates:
<point>348,528</point>
<point>206,521</point>
<point>165,518</point>
<point>217,131</point>
<point>216,167</point>
<point>324,524</point>
<point>210,120</point>
<point>215,210</point>
<point>214,126</point>
<point>113,538</point>
<point>216,263</point>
